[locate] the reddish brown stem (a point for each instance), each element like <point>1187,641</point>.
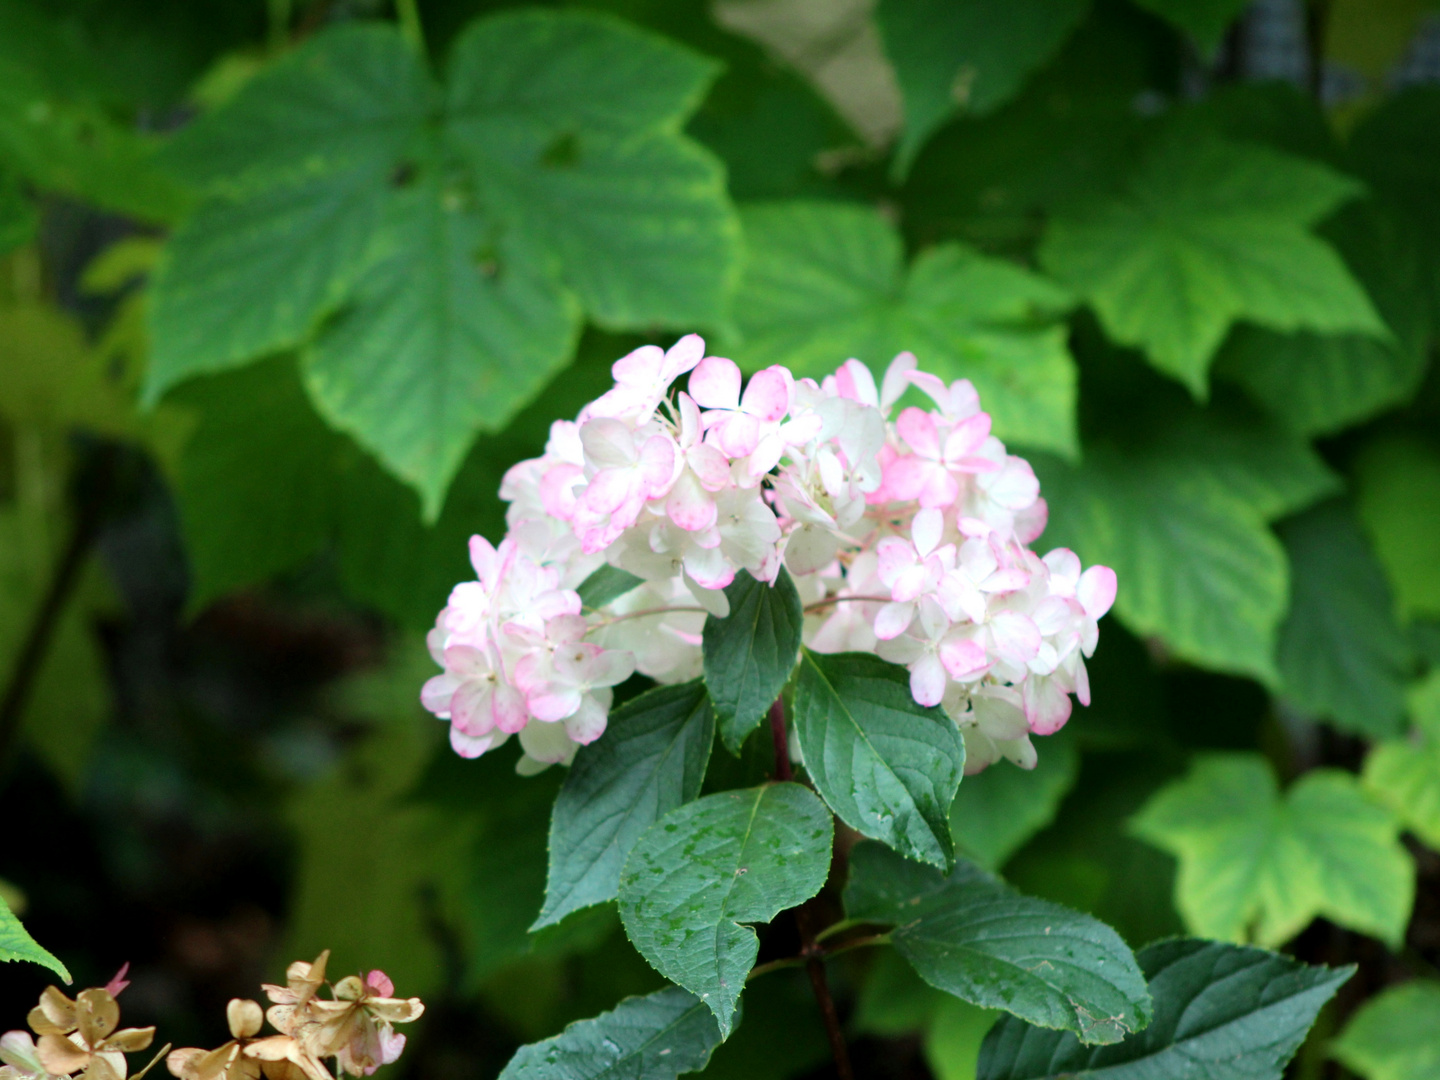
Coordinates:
<point>804,919</point>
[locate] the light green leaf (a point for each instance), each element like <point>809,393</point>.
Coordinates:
<point>1392,1037</point>
<point>17,944</point>
<point>887,766</point>
<point>972,936</point>
<point>750,653</point>
<point>1341,653</point>
<point>995,812</point>
<point>1405,776</point>
<point>1208,232</point>
<point>1204,20</point>
<point>1397,480</point>
<point>650,760</point>
<point>437,247</point>
<point>954,1038</point>
<point>1197,565</point>
<point>827,281</point>
<point>444,335</point>
<point>655,1037</point>
<point>1318,384</point>
<point>1254,865</point>
<point>606,584</point>
<point>1221,1012</point>
<point>701,871</point>
<point>966,56</point>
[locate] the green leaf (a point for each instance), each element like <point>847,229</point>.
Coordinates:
<point>1205,233</point>
<point>18,218</point>
<point>1397,480</point>
<point>1222,1012</point>
<point>650,760</point>
<point>300,162</point>
<point>997,811</point>
<point>887,766</point>
<point>970,56</point>
<point>702,870</point>
<point>1318,384</point>
<point>1341,653</point>
<point>954,1038</point>
<point>1204,20</point>
<point>443,336</point>
<point>1197,564</point>
<point>750,653</point>
<point>1256,865</point>
<point>971,935</point>
<point>431,251</point>
<point>571,123</point>
<point>17,944</point>
<point>1404,774</point>
<point>1392,1036</point>
<point>655,1037</point>
<point>606,584</point>
<point>827,281</point>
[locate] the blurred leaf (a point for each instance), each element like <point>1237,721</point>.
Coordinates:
<point>703,870</point>
<point>1056,967</point>
<point>650,760</point>
<point>1341,654</point>
<point>1257,1007</point>
<point>421,238</point>
<point>1392,1036</point>
<point>1208,232</point>
<point>827,281</point>
<point>1404,774</point>
<point>997,810</point>
<point>782,1035</point>
<point>18,219</point>
<point>1204,20</point>
<point>1397,490</point>
<point>953,1041</point>
<point>1371,36</point>
<point>371,868</point>
<point>17,944</point>
<point>971,56</point>
<point>606,584</point>
<point>1254,865</point>
<point>656,1037</point>
<point>894,1000</point>
<point>1320,383</point>
<point>886,765</point>
<point>750,653</point>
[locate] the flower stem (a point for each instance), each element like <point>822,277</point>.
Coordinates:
<point>812,953</point>
<point>831,600</point>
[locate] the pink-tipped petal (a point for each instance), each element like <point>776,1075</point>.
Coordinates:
<point>767,397</point>
<point>1096,590</point>
<point>917,428</point>
<point>715,383</point>
<point>927,680</point>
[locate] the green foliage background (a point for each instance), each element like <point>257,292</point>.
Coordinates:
<point>285,288</point>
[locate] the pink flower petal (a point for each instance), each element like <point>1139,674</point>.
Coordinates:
<point>469,746</point>
<point>967,437</point>
<point>892,620</point>
<point>715,383</point>
<point>927,680</point>
<point>917,428</point>
<point>1096,590</point>
<point>854,381</point>
<point>553,701</point>
<point>963,658</point>
<point>689,506</point>
<point>380,984</point>
<point>926,530</point>
<point>767,397</point>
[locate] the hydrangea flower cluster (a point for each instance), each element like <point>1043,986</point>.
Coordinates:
<point>907,535</point>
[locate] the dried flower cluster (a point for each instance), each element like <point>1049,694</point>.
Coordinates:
<point>355,1027</point>
<point>906,536</point>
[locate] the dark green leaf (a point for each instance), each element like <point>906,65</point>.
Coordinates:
<point>655,1037</point>
<point>606,584</point>
<point>650,760</point>
<point>1208,232</point>
<point>827,281</point>
<point>1256,865</point>
<point>971,935</point>
<point>1320,383</point>
<point>1222,1012</point>
<point>966,55</point>
<point>1204,20</point>
<point>1397,492</point>
<point>887,766</point>
<point>1341,653</point>
<point>750,653</point>
<point>17,944</point>
<point>702,870</point>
